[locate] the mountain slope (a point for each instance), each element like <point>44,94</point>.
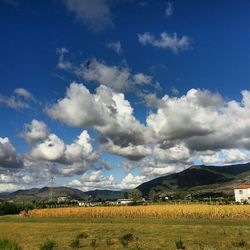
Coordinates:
<point>198,179</point>
<point>43,193</point>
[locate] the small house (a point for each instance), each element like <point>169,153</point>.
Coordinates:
<point>242,193</point>
<point>123,201</point>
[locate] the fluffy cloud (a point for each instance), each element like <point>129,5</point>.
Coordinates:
<point>36,131</point>
<point>8,187</point>
<point>224,156</point>
<point>106,111</point>
<point>130,181</point>
<point>119,78</point>
<point>179,130</point>
<point>208,128</point>
<point>151,167</point>
<point>236,155</point>
<point>96,14</point>
<point>185,117</point>
<point>166,41</point>
<point>52,149</point>
<point>130,152</point>
<point>11,181</point>
<point>8,156</point>
<point>94,180</point>
<point>113,76</point>
<point>178,153</point>
<point>116,46</point>
<point>55,150</point>
<point>151,100</point>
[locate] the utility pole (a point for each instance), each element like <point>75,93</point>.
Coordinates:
<point>51,186</point>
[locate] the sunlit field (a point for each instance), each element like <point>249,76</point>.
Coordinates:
<point>196,211</point>
<point>144,233</point>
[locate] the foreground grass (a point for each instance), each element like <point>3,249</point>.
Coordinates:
<point>107,233</point>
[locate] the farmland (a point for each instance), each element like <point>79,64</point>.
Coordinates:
<point>150,230</point>
<point>188,211</point>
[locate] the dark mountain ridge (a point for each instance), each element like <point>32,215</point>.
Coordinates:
<point>198,179</point>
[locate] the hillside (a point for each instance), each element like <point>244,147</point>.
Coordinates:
<point>199,180</point>
<point>43,193</point>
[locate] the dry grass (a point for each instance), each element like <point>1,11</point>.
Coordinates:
<point>150,211</point>
<point>149,233</point>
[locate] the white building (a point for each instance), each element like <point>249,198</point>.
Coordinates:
<point>123,201</point>
<point>242,193</point>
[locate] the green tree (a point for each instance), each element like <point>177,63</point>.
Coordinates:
<point>135,195</point>
<point>125,195</point>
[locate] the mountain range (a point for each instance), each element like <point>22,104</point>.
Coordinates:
<point>196,181</point>
<point>44,193</point>
<point>200,181</point>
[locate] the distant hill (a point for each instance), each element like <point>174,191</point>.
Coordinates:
<point>43,194</point>
<point>207,181</point>
<point>199,180</point>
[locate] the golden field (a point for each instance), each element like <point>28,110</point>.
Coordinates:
<point>189,211</point>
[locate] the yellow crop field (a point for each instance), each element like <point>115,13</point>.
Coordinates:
<point>189,211</point>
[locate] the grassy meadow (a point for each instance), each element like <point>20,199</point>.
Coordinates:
<point>141,230</point>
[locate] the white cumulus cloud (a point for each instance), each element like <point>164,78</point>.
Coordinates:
<point>35,131</point>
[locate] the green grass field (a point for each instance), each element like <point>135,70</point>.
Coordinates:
<point>148,233</point>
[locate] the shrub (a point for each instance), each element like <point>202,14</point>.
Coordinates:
<point>48,245</point>
<point>14,208</point>
<point>179,244</point>
<point>126,238</point>
<point>75,243</point>
<point>9,245</point>
<point>82,235</point>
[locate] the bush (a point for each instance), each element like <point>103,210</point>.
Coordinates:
<point>75,243</point>
<point>48,245</point>
<point>9,245</point>
<point>126,238</point>
<point>9,208</point>
<point>179,244</point>
<point>82,235</point>
<point>14,208</point>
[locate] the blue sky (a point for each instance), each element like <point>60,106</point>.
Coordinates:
<point>109,94</point>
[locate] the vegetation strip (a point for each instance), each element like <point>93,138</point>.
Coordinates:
<point>150,211</point>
